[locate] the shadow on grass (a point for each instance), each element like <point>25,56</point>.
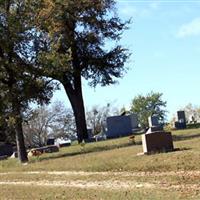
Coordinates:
<point>87,150</point>
<point>181,149</point>
<point>185,137</point>
<point>165,151</point>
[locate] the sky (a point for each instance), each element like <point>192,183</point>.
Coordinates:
<point>164,42</point>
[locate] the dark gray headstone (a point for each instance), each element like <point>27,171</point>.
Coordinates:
<point>90,135</point>
<point>181,116</point>
<point>6,149</point>
<point>153,121</point>
<point>181,123</point>
<point>157,141</point>
<point>50,141</point>
<point>154,124</point>
<point>118,126</point>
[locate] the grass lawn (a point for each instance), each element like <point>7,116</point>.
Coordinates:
<point>107,170</point>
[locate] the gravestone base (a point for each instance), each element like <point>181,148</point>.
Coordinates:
<point>157,142</point>
<point>155,129</point>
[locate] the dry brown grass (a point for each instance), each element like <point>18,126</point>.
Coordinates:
<point>175,175</point>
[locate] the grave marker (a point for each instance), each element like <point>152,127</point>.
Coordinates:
<point>155,139</point>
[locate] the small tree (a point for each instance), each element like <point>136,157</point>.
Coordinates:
<point>145,106</point>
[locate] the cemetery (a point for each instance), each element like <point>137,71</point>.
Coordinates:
<point>156,160</point>
<point>99,100</point>
<point>170,174</point>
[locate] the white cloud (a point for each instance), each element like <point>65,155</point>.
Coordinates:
<point>190,29</point>
<point>131,9</point>
<point>128,10</point>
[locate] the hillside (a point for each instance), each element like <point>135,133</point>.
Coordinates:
<point>108,170</point>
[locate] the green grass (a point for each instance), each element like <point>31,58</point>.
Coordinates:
<point>118,155</point>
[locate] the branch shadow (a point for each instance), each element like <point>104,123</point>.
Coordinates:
<point>86,151</point>
<point>96,149</point>
<point>185,137</point>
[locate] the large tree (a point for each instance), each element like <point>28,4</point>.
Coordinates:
<point>147,105</point>
<point>79,35</point>
<point>18,85</point>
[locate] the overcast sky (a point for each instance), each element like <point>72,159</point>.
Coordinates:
<point>164,39</point>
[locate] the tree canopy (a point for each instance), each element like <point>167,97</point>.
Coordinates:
<point>18,84</point>
<point>77,33</point>
<point>147,105</point>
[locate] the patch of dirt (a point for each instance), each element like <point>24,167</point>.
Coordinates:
<point>108,184</point>
<point>121,174</point>
<point>115,185</point>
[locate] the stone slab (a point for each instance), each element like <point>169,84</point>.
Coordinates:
<point>181,116</point>
<point>154,129</point>
<point>157,141</point>
<point>153,121</point>
<point>6,149</point>
<point>47,149</point>
<point>118,126</point>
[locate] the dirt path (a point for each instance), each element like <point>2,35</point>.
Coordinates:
<point>121,174</point>
<point>108,184</point>
<point>114,185</point>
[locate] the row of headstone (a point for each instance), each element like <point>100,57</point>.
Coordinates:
<point>124,125</point>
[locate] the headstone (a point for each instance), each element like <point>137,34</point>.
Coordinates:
<point>154,124</point>
<point>6,149</point>
<point>50,141</point>
<point>62,142</point>
<point>155,139</point>
<point>90,135</point>
<point>157,142</point>
<point>47,149</point>
<point>153,121</point>
<point>118,126</point>
<point>181,123</point>
<point>181,116</point>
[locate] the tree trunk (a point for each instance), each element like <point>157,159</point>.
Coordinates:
<point>76,99</point>
<point>21,149</point>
